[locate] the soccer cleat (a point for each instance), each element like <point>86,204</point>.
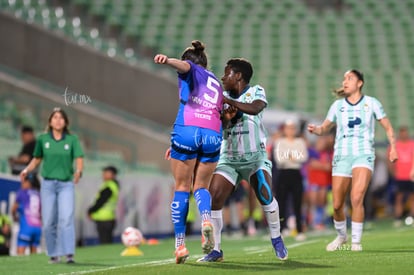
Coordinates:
<point>181,254</point>
<point>280,248</point>
<point>336,244</point>
<point>207,239</point>
<point>213,256</point>
<point>356,247</point>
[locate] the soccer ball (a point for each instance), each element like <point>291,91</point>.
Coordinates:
<point>131,236</point>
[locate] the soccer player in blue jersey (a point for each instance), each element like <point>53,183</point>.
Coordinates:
<point>243,154</point>
<point>26,210</point>
<point>354,115</point>
<point>195,142</point>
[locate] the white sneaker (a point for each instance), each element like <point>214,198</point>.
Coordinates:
<point>336,244</point>
<point>356,247</point>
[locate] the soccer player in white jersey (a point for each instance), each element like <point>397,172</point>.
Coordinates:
<point>243,154</point>
<point>353,162</point>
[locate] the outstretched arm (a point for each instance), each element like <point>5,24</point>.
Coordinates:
<point>248,108</point>
<point>386,124</point>
<point>322,129</point>
<point>180,65</point>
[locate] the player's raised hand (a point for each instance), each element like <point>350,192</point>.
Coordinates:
<point>393,156</point>
<point>160,59</point>
<point>312,128</point>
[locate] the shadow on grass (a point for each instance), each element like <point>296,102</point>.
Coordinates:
<point>261,266</point>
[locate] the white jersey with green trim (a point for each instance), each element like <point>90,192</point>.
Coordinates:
<point>355,125</point>
<point>247,133</point>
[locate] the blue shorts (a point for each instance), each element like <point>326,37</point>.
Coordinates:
<point>29,236</point>
<point>190,142</point>
<point>342,165</point>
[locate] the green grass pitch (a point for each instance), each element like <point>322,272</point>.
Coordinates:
<point>387,250</point>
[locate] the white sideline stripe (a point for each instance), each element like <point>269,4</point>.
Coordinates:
<point>254,248</point>
<point>258,251</point>
<point>302,243</point>
<point>249,250</point>
<point>152,263</point>
<point>261,249</point>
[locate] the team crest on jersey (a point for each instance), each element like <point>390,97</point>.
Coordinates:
<point>366,107</point>
<point>47,145</point>
<point>66,146</point>
<point>249,98</point>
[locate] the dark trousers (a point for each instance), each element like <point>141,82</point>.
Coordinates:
<point>4,250</point>
<point>105,230</point>
<point>289,183</point>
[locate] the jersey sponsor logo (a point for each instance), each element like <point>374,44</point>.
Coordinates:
<point>351,136</point>
<point>344,109</point>
<point>199,101</point>
<point>227,134</point>
<point>352,123</point>
<point>203,116</point>
<point>182,146</point>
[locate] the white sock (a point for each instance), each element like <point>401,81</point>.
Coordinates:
<point>271,212</point>
<point>217,221</point>
<point>340,227</point>
<point>357,231</point>
<point>179,240</point>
